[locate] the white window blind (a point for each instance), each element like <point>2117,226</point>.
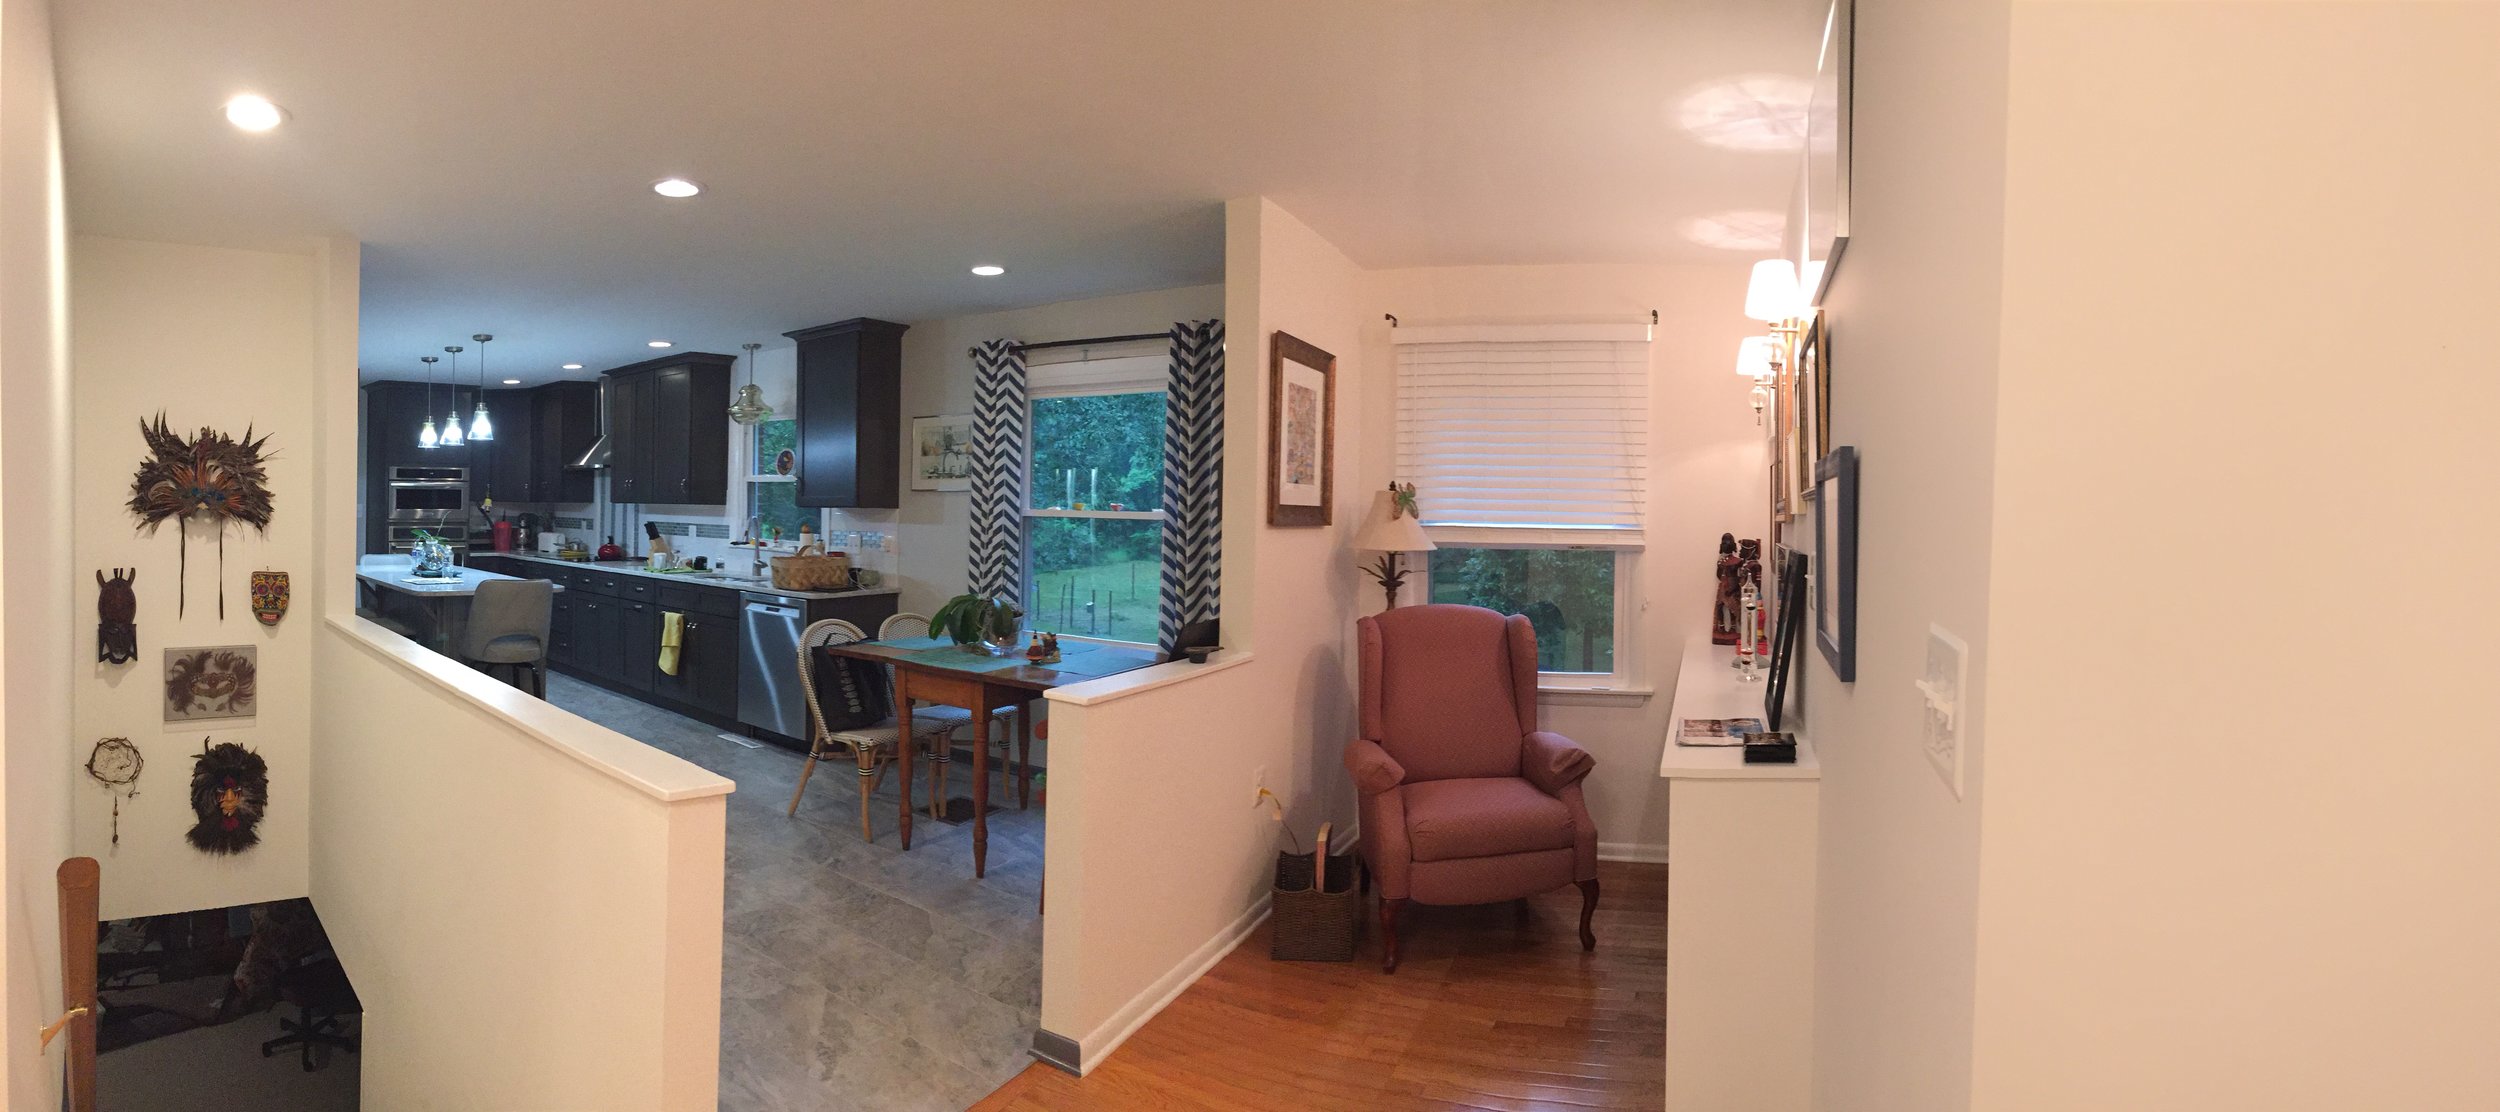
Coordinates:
<point>1526,434</point>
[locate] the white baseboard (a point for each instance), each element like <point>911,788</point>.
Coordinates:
<point>1101,1041</point>
<point>1641,852</point>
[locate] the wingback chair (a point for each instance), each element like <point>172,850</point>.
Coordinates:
<point>1464,800</point>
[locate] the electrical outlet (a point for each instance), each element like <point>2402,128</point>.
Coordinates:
<point>1258,783</point>
<point>1947,718</point>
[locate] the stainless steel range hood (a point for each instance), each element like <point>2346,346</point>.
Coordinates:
<point>597,455</point>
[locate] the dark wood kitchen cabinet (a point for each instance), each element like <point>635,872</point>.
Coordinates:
<point>850,413</point>
<point>668,431</point>
<point>502,470</point>
<point>707,649</point>
<point>393,412</point>
<point>564,424</point>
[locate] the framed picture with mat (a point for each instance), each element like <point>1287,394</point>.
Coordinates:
<point>1791,629</point>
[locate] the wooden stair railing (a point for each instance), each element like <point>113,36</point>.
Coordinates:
<point>79,881</point>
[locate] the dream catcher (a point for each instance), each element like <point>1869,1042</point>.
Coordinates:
<point>213,477</point>
<point>229,793</point>
<point>116,764</point>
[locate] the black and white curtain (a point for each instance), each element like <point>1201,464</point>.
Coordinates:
<point>1001,415</point>
<point>1193,478</point>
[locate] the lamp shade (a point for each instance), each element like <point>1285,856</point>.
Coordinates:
<point>1771,295</point>
<point>1385,531</point>
<point>1758,357</point>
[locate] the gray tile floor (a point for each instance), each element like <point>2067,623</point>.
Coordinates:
<point>856,975</point>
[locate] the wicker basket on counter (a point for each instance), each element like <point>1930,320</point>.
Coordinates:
<point>823,572</point>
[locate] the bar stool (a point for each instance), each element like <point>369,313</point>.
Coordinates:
<point>508,625</point>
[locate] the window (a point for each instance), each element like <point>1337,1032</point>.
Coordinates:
<point>1094,518</point>
<point>1529,447</point>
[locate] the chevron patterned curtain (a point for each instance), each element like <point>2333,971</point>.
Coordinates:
<point>1193,478</point>
<point>1001,417</point>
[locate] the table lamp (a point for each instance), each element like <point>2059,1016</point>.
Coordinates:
<point>1392,528</point>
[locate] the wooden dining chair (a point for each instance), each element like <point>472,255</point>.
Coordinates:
<point>1002,721</point>
<point>870,746</point>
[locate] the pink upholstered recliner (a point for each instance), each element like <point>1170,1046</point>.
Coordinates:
<point>1465,801</point>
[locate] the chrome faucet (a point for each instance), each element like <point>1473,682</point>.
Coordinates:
<point>755,536</point>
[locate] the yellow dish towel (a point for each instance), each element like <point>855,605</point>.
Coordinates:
<point>672,636</point>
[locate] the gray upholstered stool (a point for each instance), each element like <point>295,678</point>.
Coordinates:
<point>508,624</point>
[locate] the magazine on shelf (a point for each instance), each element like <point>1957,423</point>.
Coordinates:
<point>1716,731</point>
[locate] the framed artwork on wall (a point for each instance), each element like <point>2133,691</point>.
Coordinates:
<point>941,452</point>
<point>1835,586</point>
<point>206,683</point>
<point>1301,433</point>
<point>1814,390</point>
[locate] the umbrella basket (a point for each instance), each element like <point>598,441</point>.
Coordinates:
<point>1316,910</point>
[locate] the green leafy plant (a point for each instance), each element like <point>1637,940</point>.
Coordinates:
<point>972,620</point>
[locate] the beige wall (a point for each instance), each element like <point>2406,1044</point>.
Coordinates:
<point>226,339</point>
<point>1913,315</point>
<point>936,526</point>
<point>36,595</point>
<point>2241,823</point>
<point>1706,478</point>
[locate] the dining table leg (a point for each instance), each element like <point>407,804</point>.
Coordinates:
<point>903,746</point>
<point>981,786</point>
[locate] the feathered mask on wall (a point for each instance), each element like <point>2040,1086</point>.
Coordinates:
<point>212,476</point>
<point>229,794</point>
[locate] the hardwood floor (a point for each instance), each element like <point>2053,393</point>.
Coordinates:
<point>1485,1011</point>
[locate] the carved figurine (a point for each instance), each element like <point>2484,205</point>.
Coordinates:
<point>1723,615</point>
<point>117,612</point>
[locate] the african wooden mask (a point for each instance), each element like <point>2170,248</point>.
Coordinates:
<point>116,616</point>
<point>229,793</point>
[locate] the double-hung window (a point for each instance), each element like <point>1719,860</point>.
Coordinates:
<point>1093,535</point>
<point>1529,448</point>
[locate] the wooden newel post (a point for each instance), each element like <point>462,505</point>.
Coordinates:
<point>79,883</point>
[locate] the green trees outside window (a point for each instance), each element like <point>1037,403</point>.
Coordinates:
<point>1567,594</point>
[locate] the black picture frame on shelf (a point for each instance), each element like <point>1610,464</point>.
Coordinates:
<point>1791,625</point>
<point>1835,585</point>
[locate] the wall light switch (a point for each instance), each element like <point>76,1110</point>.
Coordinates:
<point>1942,686</point>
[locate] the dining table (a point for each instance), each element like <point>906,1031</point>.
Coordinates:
<point>434,608</point>
<point>938,671</point>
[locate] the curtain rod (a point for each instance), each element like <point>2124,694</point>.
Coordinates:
<point>1392,318</point>
<point>1022,348</point>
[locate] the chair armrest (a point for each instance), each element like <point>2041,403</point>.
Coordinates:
<point>1553,762</point>
<point>1375,771</point>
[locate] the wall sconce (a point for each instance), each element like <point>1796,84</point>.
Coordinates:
<point>1773,297</point>
<point>1758,358</point>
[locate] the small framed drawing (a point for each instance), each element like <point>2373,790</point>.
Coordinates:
<point>941,452</point>
<point>218,682</point>
<point>1835,587</point>
<point>1301,433</point>
<point>1814,389</point>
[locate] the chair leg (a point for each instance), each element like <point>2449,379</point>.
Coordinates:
<point>1588,907</point>
<point>1389,909</point>
<point>814,753</point>
<point>868,778</point>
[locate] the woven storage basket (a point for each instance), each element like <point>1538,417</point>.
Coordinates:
<point>1315,916</point>
<point>812,573</point>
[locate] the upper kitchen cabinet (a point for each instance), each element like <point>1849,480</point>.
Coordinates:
<point>850,413</point>
<point>565,423</point>
<point>668,431</point>
<point>502,470</point>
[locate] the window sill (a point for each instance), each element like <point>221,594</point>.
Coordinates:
<point>1109,515</point>
<point>1593,696</point>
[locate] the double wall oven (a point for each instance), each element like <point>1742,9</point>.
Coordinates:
<point>432,499</point>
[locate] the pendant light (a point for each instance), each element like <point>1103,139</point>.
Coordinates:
<point>451,425</point>
<point>479,427</point>
<point>750,409</point>
<point>425,436</point>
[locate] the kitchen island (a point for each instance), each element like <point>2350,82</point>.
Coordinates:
<point>430,610</point>
<point>736,664</point>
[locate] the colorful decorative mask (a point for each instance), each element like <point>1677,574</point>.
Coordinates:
<point>229,793</point>
<point>116,613</point>
<point>269,596</point>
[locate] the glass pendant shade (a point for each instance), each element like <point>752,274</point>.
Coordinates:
<point>479,427</point>
<point>750,409</point>
<point>451,430</point>
<point>425,436</point>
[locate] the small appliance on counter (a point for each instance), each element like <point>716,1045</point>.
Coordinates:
<point>552,543</point>
<point>611,551</point>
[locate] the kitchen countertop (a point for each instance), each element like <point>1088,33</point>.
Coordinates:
<point>392,573</point>
<point>692,579</point>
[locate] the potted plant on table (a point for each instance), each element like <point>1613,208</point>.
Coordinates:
<point>991,625</point>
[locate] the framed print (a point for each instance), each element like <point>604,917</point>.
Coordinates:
<point>218,682</point>
<point>1835,588</point>
<point>941,452</point>
<point>1814,390</point>
<point>1301,433</point>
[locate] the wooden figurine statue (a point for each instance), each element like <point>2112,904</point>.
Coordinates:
<point>1723,610</point>
<point>117,613</point>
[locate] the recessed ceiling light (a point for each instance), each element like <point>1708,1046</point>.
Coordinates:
<point>662,344</point>
<point>512,382</point>
<point>253,112</point>
<point>572,366</point>
<point>989,270</point>
<point>675,187</point>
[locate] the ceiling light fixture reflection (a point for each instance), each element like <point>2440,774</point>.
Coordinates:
<point>675,187</point>
<point>1749,230</point>
<point>663,344</point>
<point>989,270</point>
<point>572,366</point>
<point>512,382</point>
<point>253,112</point>
<point>1755,112</point>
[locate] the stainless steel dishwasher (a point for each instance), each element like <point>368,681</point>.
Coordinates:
<point>769,695</point>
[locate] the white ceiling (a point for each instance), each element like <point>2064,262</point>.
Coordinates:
<point>496,157</point>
